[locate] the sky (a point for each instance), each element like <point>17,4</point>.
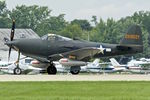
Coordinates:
<point>85,9</point>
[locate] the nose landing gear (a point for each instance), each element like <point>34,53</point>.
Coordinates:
<point>17,71</point>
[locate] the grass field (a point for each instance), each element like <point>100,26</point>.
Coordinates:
<point>75,91</point>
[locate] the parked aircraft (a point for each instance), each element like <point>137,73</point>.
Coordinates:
<point>25,66</point>
<point>105,68</point>
<point>52,47</point>
<point>117,66</point>
<point>145,60</point>
<point>134,62</point>
<point>93,64</point>
<point>4,63</point>
<point>133,66</point>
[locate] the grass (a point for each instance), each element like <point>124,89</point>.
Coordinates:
<point>75,90</point>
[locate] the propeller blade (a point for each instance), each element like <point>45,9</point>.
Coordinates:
<point>12,30</point>
<point>11,37</point>
<point>9,54</point>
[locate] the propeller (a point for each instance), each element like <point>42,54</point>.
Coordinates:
<point>11,37</point>
<point>17,70</point>
<point>12,30</point>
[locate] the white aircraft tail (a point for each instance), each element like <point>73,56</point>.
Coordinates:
<point>96,62</point>
<point>114,62</point>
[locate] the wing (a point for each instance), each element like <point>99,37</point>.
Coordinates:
<point>78,54</point>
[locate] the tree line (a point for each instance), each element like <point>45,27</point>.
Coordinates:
<point>39,19</point>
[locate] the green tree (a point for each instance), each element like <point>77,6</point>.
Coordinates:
<point>97,33</point>
<point>94,20</point>
<point>4,15</point>
<point>84,24</point>
<point>72,31</point>
<point>53,24</point>
<point>106,31</point>
<point>29,16</point>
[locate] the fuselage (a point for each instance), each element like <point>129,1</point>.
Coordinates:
<point>47,47</point>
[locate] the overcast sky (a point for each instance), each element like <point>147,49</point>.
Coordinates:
<point>84,9</point>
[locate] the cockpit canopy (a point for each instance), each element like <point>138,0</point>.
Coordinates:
<point>53,37</point>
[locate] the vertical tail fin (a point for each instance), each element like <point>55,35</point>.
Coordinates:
<point>133,36</point>
<point>96,62</point>
<point>114,62</point>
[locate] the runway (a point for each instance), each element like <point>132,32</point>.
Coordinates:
<point>4,78</point>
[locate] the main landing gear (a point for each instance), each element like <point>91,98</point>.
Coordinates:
<point>51,70</point>
<point>74,70</point>
<point>17,70</point>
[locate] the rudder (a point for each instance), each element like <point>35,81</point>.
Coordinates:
<point>133,36</point>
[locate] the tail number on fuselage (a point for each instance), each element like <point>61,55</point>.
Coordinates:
<point>132,36</point>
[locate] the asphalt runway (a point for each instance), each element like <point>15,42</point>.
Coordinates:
<point>4,78</point>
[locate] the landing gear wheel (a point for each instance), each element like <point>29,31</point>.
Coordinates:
<point>51,70</point>
<point>75,72</point>
<point>17,71</point>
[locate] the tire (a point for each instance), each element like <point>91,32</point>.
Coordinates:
<point>75,72</point>
<point>51,70</point>
<point>17,71</point>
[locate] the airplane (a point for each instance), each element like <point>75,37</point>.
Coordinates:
<point>4,63</point>
<point>93,64</point>
<point>117,66</point>
<point>133,66</point>
<point>52,47</point>
<point>106,67</point>
<point>25,66</point>
<point>140,62</point>
<point>145,60</point>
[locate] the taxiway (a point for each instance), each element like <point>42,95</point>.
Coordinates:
<point>4,78</point>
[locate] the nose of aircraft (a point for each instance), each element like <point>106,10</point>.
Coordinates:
<point>11,43</point>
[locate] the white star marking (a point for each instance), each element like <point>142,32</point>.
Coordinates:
<point>101,49</point>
